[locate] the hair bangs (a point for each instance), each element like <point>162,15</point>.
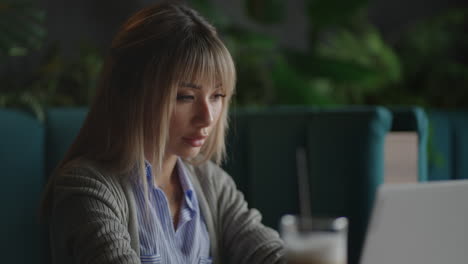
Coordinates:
<point>205,62</point>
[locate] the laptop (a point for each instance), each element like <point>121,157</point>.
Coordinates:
<point>419,223</point>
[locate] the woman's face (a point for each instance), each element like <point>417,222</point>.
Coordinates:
<point>195,115</point>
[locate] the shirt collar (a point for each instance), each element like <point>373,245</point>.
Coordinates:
<point>184,179</point>
<point>186,184</point>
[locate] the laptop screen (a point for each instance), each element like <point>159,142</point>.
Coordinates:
<point>420,223</point>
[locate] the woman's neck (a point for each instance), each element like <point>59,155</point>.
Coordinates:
<point>167,173</point>
<point>164,177</point>
<point>168,181</point>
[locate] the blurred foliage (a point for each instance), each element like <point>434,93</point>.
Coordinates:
<point>21,28</point>
<point>21,31</point>
<point>434,54</point>
<point>266,11</point>
<point>57,81</point>
<point>346,60</point>
<point>349,64</point>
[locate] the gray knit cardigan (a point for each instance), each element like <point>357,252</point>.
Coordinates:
<point>93,218</point>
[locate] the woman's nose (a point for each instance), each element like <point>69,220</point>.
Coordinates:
<point>204,114</point>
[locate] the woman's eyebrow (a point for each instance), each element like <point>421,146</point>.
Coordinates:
<point>194,86</point>
<point>190,85</point>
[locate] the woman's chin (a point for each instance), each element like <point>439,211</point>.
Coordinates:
<point>190,153</point>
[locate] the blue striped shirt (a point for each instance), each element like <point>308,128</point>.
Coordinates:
<point>159,242</point>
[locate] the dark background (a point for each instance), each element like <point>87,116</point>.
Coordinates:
<point>73,22</point>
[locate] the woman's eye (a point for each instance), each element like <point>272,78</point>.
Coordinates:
<point>218,96</point>
<point>185,98</point>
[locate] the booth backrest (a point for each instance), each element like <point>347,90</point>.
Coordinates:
<point>22,172</point>
<point>448,145</point>
<point>345,160</point>
<point>62,126</point>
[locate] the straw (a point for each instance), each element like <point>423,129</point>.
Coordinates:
<point>303,181</point>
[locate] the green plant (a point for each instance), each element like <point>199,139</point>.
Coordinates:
<point>253,53</point>
<point>349,65</point>
<point>21,28</point>
<point>347,61</point>
<point>266,11</point>
<point>57,81</point>
<point>434,56</point>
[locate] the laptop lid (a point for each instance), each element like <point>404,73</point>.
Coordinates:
<point>419,223</point>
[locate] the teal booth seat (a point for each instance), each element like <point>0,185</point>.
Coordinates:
<point>62,126</point>
<point>448,145</point>
<point>22,172</point>
<point>345,159</point>
<point>347,162</point>
<point>414,119</point>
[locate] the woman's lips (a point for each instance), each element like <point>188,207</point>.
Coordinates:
<point>195,141</point>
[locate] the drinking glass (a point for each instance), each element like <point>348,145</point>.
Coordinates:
<point>314,240</point>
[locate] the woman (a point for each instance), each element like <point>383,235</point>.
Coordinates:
<point>138,185</point>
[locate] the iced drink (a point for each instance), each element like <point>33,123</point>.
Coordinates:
<point>319,241</point>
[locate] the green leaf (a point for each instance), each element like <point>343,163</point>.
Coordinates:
<point>17,51</point>
<point>266,11</point>
<point>332,12</point>
<point>21,28</point>
<point>212,14</point>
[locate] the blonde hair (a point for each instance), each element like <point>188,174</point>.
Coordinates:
<point>155,50</point>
